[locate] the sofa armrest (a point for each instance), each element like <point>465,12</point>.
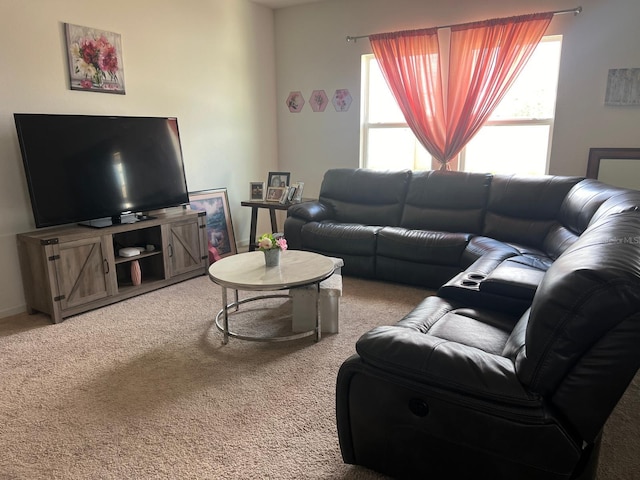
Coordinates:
<point>514,279</point>
<point>310,211</point>
<point>444,364</point>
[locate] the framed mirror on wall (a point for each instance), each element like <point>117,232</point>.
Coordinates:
<point>615,166</point>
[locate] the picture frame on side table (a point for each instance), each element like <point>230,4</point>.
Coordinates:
<point>299,186</point>
<point>278,179</point>
<point>220,236</point>
<point>275,194</point>
<point>256,193</point>
<point>291,193</point>
<point>284,199</point>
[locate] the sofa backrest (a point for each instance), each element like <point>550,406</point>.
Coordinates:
<point>623,200</point>
<point>579,207</point>
<point>583,330</point>
<point>446,201</point>
<point>523,209</point>
<point>365,196</point>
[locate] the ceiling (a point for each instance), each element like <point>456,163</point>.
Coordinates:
<point>283,3</point>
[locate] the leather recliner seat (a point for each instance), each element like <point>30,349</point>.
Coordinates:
<point>457,391</point>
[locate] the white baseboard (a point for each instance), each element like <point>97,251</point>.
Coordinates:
<point>10,312</point>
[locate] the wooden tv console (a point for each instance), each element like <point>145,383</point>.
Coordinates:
<point>71,269</point>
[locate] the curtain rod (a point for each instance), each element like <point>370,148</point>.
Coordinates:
<point>575,11</point>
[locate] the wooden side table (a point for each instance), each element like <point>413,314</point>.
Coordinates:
<point>272,207</point>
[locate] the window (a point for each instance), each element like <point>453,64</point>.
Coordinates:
<point>515,139</point>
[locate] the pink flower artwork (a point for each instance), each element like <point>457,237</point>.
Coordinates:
<point>295,102</point>
<point>318,100</point>
<point>95,60</point>
<point>342,100</point>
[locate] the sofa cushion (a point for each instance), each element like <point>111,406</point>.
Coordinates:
<point>433,343</point>
<point>558,240</point>
<point>446,201</point>
<point>482,329</point>
<point>470,327</point>
<point>523,209</point>
<point>354,244</point>
<point>582,202</point>
<point>350,238</point>
<point>310,211</point>
<point>577,210</point>
<point>628,200</point>
<point>365,196</point>
<point>419,257</point>
<point>483,254</point>
<point>422,246</point>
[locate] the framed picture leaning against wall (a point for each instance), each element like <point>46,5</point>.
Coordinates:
<point>220,236</point>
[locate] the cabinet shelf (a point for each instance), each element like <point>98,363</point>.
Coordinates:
<point>127,289</point>
<point>71,269</point>
<point>119,260</point>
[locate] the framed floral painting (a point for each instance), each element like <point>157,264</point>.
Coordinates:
<point>95,60</point>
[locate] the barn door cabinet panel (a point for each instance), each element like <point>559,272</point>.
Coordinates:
<point>73,269</point>
<point>82,271</point>
<point>185,245</point>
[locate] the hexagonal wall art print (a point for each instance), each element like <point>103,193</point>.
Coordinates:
<point>318,100</point>
<point>295,102</point>
<point>342,100</point>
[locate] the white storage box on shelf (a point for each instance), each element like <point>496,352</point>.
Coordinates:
<point>304,303</point>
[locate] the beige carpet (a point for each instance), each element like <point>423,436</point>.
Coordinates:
<point>144,389</point>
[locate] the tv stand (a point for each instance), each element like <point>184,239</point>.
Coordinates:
<point>72,269</point>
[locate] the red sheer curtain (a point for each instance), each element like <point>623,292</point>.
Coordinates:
<point>410,63</point>
<point>484,60</point>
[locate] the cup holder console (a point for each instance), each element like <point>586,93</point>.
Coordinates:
<point>476,289</point>
<point>470,280</point>
<point>476,276</point>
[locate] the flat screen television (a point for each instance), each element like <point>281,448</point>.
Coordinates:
<point>100,170</point>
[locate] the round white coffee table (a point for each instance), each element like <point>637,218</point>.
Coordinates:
<point>247,271</point>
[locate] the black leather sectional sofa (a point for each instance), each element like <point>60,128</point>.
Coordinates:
<point>513,368</point>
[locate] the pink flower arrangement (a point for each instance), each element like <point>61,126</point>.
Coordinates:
<point>95,58</point>
<point>269,242</point>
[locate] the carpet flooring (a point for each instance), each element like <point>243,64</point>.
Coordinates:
<point>144,389</point>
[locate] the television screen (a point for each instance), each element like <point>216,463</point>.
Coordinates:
<point>85,168</point>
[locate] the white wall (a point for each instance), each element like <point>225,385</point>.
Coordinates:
<point>208,62</point>
<point>311,53</point>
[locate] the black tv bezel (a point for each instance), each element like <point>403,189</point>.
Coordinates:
<point>137,213</point>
